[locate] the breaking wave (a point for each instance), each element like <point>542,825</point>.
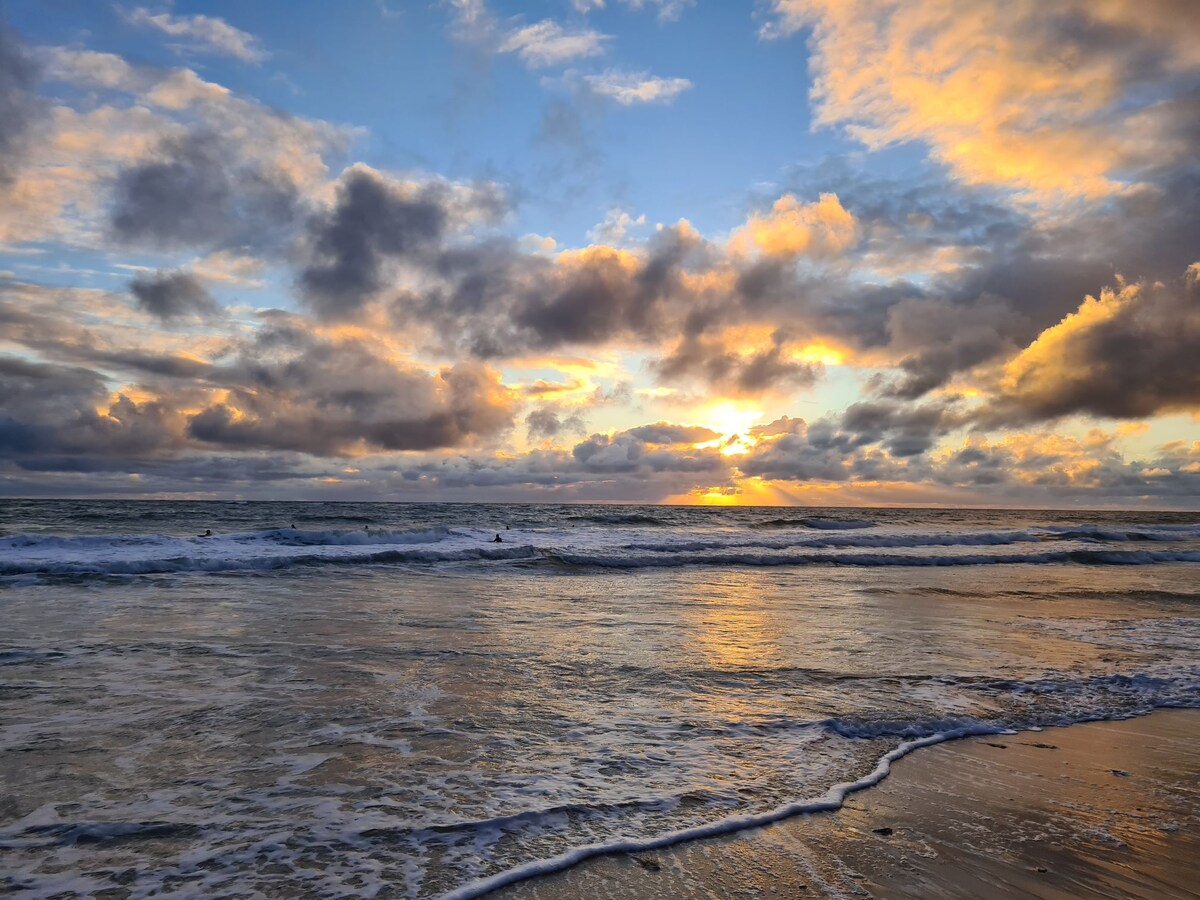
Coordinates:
<point>820,522</point>
<point>588,547</point>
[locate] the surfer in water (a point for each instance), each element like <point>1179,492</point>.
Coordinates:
<point>207,532</point>
<point>498,540</point>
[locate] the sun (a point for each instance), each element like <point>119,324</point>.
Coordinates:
<point>728,418</point>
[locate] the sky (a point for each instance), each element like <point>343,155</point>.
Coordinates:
<point>813,252</point>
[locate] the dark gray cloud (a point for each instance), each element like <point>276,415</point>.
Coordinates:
<point>902,429</point>
<point>283,389</point>
<point>495,300</point>
<point>820,452</point>
<point>246,475</point>
<point>19,106</point>
<point>1130,354</point>
<point>198,190</point>
<point>50,419</point>
<point>771,368</point>
<point>543,423</point>
<point>370,222</point>
<point>941,339</point>
<point>588,304</point>
<point>626,452</point>
<point>173,294</point>
<point>872,441</point>
<point>292,390</point>
<point>546,422</point>
<point>667,433</point>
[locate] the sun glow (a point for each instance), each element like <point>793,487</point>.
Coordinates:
<point>731,421</point>
<point>728,418</point>
<point>819,352</point>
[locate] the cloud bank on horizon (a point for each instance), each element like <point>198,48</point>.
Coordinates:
<point>470,252</point>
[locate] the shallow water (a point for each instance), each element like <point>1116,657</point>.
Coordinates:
<point>408,709</point>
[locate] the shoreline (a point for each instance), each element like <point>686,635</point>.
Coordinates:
<point>970,814</point>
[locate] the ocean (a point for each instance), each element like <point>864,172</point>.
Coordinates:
<point>373,699</point>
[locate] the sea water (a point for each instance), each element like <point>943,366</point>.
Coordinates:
<point>381,700</point>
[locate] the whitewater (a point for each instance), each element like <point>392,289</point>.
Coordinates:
<point>382,700</point>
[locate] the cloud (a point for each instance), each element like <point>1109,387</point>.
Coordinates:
<point>293,389</point>
<point>668,433</point>
<point>666,10</point>
<point>938,339</point>
<point>206,34</point>
<point>628,88</point>
<point>56,416</point>
<point>1029,464</point>
<point>952,307</point>
<point>547,43</point>
<point>126,133</point>
<point>546,422</point>
<point>284,386</point>
<point>473,23</point>
<point>820,452</point>
<point>1006,274</point>
<point>491,300</point>
<point>1018,467</point>
<point>371,221</point>
<point>792,228</point>
<point>230,267</point>
<point>198,191</point>
<point>173,295</point>
<point>616,227</point>
<point>1129,353</point>
<point>727,364</point>
<point>376,220</point>
<point>18,105</point>
<point>902,430</point>
<point>49,323</point>
<point>1048,101</point>
<point>627,453</point>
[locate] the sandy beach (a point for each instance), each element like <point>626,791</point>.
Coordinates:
<point>1105,809</point>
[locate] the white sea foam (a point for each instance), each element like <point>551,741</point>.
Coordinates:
<point>833,799</point>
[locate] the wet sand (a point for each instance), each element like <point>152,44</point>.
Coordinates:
<point>1105,809</point>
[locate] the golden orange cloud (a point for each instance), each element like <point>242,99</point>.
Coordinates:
<point>792,228</point>
<point>998,93</point>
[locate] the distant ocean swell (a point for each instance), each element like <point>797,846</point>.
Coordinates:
<point>626,548</point>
